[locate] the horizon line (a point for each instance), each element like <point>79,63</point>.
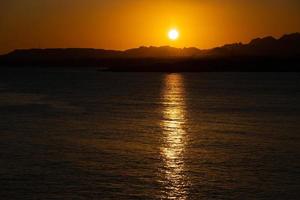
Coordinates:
<point>145,46</point>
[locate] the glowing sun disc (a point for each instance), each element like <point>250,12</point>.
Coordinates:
<point>173,34</point>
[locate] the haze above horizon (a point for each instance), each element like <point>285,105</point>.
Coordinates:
<point>124,24</point>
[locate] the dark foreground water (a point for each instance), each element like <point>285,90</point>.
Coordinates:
<point>74,134</point>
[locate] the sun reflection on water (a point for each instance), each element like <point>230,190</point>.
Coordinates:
<point>174,137</point>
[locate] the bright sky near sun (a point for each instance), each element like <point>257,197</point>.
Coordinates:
<point>122,24</point>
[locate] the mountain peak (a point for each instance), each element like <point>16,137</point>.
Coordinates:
<point>290,37</point>
<point>263,41</point>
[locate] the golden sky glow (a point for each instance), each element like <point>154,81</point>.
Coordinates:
<point>122,24</point>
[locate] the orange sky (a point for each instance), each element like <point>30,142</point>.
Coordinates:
<point>122,24</point>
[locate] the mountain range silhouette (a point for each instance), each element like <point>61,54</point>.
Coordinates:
<point>287,45</point>
<point>260,52</point>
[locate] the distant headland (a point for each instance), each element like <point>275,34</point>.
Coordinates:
<point>261,54</point>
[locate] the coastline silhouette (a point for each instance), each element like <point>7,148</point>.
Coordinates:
<point>261,54</point>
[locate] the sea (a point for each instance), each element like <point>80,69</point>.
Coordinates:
<point>68,133</point>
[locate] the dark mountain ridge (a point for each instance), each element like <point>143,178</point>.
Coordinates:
<point>286,46</point>
<point>260,51</point>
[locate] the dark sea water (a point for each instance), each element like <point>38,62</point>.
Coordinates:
<point>85,134</point>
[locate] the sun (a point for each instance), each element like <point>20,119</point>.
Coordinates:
<point>173,34</point>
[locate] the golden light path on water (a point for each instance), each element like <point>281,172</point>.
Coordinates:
<point>174,137</point>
